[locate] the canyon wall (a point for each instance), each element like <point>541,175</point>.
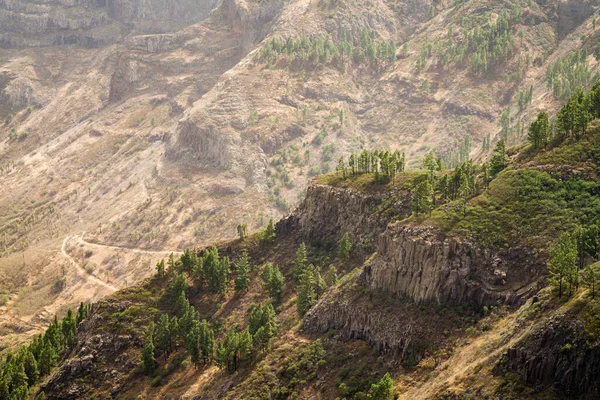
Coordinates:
<point>93,23</point>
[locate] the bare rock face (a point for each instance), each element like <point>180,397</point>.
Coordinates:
<point>328,212</point>
<point>423,265</point>
<point>571,13</point>
<point>18,91</point>
<point>93,23</point>
<point>557,355</point>
<point>204,145</point>
<point>390,324</point>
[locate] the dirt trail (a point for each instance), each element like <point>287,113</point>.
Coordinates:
<point>81,240</point>
<point>82,271</point>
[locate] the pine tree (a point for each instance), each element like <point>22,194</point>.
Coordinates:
<point>539,131</point>
<point>242,231</point>
<point>192,342</point>
<point>54,335</point>
<point>563,262</point>
<point>148,361</point>
<point>245,345</point>
<point>30,366</point>
<point>320,284</point>
<point>82,313</point>
<point>243,273</point>
<point>222,281</point>
<point>160,268</point>
<point>171,263</point>
<point>182,305</point>
<point>499,160</point>
<point>48,358</point>
<point>188,261</point>
<point>332,276</point>
<point>307,296</point>
<point>262,326</point>
<point>594,100</point>
<point>268,233</point>
<point>163,335</point>
<point>69,327</point>
<point>422,197</point>
<point>591,241</point>
<point>273,281</point>
<point>344,246</point>
<point>207,341</point>
<point>382,390</point>
<point>18,380</point>
<point>590,277</point>
<point>300,261</point>
<point>430,164</point>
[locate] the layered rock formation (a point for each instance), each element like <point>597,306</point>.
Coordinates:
<point>560,355</point>
<point>328,212</point>
<point>93,23</point>
<point>409,266</point>
<point>422,264</point>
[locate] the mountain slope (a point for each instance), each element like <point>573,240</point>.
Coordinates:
<point>156,126</point>
<point>491,330</point>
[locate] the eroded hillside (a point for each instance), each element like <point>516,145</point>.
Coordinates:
<point>356,284</point>
<point>133,129</point>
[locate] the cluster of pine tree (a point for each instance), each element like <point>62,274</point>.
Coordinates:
<point>20,371</point>
<point>524,97</point>
<point>573,258</point>
<point>246,345</point>
<point>208,270</point>
<point>572,120</point>
<point>436,187</point>
<point>310,282</point>
<point>320,50</point>
<point>483,46</point>
<point>569,73</point>
<point>460,155</point>
<point>575,252</point>
<point>187,330</point>
<point>382,163</point>
<point>465,181</point>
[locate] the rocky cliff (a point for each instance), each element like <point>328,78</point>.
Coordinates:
<point>390,324</point>
<point>328,212</point>
<point>92,23</point>
<point>410,265</point>
<point>424,265</point>
<point>560,354</point>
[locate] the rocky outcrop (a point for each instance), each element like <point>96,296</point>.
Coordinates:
<point>390,324</point>
<point>419,263</point>
<point>571,13</point>
<point>422,264</point>
<point>204,145</point>
<point>100,356</point>
<point>558,355</point>
<point>328,212</point>
<point>18,92</point>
